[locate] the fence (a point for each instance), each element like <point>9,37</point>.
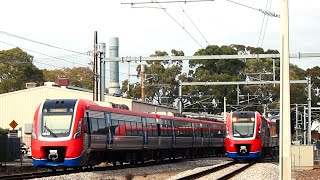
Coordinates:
<point>9,149</point>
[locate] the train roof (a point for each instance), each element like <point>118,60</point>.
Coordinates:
<point>96,107</point>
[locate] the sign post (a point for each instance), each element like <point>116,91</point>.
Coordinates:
<point>13,132</point>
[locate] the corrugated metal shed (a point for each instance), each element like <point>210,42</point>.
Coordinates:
<point>21,105</point>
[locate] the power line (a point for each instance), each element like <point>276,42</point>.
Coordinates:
<point>166,2</point>
<point>37,60</point>
<point>196,28</point>
<point>179,25</point>
<point>266,12</point>
<point>194,24</point>
<point>26,39</point>
<point>43,54</point>
<point>264,16</point>
<point>265,28</point>
<point>48,64</point>
<point>243,5</point>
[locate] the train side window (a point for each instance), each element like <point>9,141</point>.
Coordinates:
<point>164,130</point>
<point>135,130</point>
<point>94,126</point>
<point>120,130</point>
<point>86,125</point>
<point>128,128</point>
<point>102,126</point>
<point>139,129</point>
<point>169,128</point>
<point>149,130</point>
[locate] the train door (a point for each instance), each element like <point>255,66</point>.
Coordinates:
<point>87,132</point>
<point>210,134</point>
<point>159,134</point>
<point>145,132</point>
<point>193,135</point>
<point>173,134</point>
<point>109,134</point>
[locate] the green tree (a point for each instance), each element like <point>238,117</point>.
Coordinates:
<point>78,76</point>
<point>205,70</point>
<point>162,79</point>
<point>314,73</point>
<point>3,131</point>
<point>16,69</point>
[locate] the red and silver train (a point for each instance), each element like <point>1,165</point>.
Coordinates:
<point>250,136</point>
<point>78,132</point>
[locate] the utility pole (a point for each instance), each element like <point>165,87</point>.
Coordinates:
<point>296,127</point>
<point>285,135</point>
<point>309,110</point>
<point>128,86</point>
<point>180,98</point>
<point>143,78</point>
<point>95,68</point>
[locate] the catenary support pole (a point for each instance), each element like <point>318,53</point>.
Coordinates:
<point>285,135</point>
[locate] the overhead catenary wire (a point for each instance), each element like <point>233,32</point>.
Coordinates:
<point>194,24</point>
<point>196,28</point>
<point>161,2</point>
<point>37,61</point>
<point>45,44</point>
<point>262,25</point>
<point>43,54</point>
<point>179,24</point>
<point>265,28</point>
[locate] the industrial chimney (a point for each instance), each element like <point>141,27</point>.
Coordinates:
<point>114,86</point>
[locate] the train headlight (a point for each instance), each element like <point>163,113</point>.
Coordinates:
<point>33,135</point>
<point>259,132</point>
<point>79,128</point>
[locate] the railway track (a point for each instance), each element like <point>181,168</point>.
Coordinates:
<point>57,172</point>
<point>220,172</point>
<point>36,175</point>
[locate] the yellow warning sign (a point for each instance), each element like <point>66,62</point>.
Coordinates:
<point>13,124</point>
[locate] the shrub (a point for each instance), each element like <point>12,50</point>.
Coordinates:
<point>3,131</point>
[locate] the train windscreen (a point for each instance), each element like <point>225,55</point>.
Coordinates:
<point>56,120</point>
<point>243,127</point>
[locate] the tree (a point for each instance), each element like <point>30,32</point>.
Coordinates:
<point>214,71</point>
<point>3,131</point>
<point>78,76</point>
<point>314,73</point>
<point>161,79</point>
<point>16,69</point>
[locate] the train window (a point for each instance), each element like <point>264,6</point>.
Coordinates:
<point>243,129</point>
<point>139,129</point>
<point>120,129</point>
<point>102,126</point>
<point>94,126</point>
<point>151,129</point>
<point>125,117</point>
<point>134,129</point>
<point>128,128</point>
<point>151,120</point>
<point>114,122</point>
<point>164,130</point>
<point>169,128</point>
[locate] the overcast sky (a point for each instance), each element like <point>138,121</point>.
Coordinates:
<point>70,24</point>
